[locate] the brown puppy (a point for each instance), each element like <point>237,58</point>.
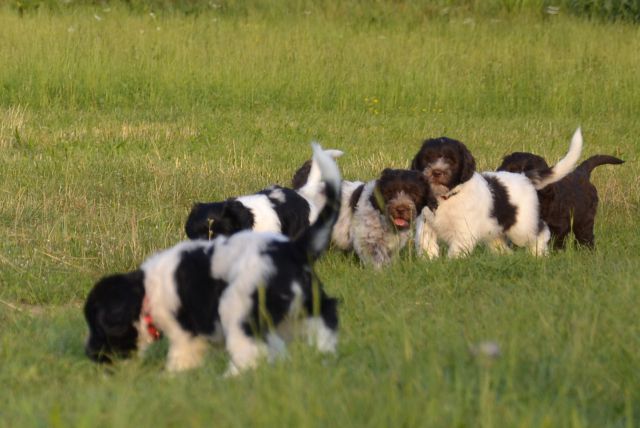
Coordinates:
<point>568,205</point>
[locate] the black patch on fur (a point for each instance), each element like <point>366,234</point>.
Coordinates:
<point>502,210</point>
<point>112,307</point>
<point>355,197</point>
<point>199,293</point>
<point>292,267</point>
<point>208,220</point>
<point>293,213</point>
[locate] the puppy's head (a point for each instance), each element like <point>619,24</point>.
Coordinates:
<point>401,194</point>
<point>519,162</point>
<point>112,311</point>
<point>445,163</point>
<point>208,220</point>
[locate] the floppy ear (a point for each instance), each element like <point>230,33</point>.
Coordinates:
<point>468,166</point>
<point>301,176</point>
<point>428,199</point>
<point>116,320</point>
<point>200,217</point>
<point>355,197</point>
<point>239,216</point>
<point>416,163</point>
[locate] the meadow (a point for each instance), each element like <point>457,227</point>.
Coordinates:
<point>113,121</point>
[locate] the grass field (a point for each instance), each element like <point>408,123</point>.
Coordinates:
<point>112,123</point>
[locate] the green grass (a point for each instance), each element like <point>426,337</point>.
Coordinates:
<point>111,127</point>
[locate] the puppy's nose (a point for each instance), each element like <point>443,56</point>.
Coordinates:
<point>436,173</point>
<point>403,211</point>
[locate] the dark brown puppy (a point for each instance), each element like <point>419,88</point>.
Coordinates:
<point>569,205</point>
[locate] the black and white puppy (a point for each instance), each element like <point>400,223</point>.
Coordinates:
<point>274,209</point>
<point>483,207</point>
<point>251,291</point>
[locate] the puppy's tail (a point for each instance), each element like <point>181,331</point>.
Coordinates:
<point>542,179</point>
<point>316,238</point>
<point>597,160</point>
<point>307,177</point>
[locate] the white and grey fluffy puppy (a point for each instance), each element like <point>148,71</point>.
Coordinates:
<point>376,217</point>
<point>383,213</point>
<point>274,209</point>
<point>484,207</point>
<point>251,291</point>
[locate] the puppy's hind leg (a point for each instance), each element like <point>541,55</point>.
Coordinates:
<point>245,351</point>
<point>460,248</point>
<point>583,231</point>
<point>321,331</point>
<point>426,239</point>
<point>539,245</point>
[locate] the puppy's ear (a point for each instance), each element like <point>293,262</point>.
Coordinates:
<point>430,200</point>
<point>239,216</point>
<point>301,176</point>
<point>416,163</point>
<point>116,320</point>
<point>200,218</point>
<point>468,166</point>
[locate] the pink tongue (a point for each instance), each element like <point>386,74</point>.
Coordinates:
<point>400,222</point>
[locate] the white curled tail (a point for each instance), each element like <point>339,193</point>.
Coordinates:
<point>564,165</point>
<point>316,239</point>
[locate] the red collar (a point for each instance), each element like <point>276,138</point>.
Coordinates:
<point>148,321</point>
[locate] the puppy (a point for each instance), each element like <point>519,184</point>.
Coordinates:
<point>568,205</point>
<point>274,209</point>
<point>382,213</point>
<point>486,207</point>
<point>243,290</point>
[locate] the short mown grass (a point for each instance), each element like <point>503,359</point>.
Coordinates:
<point>113,122</point>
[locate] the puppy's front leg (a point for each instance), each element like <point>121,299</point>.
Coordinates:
<point>498,245</point>
<point>538,246</point>
<point>185,351</point>
<point>459,249</point>
<point>426,239</point>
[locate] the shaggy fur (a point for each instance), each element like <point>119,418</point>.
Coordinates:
<point>482,207</point>
<point>377,222</point>
<point>247,291</point>
<point>569,205</point>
